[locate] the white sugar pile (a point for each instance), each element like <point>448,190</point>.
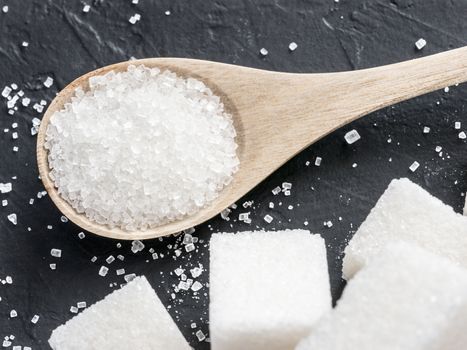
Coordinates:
<point>406,298</point>
<point>267,289</point>
<point>407,212</point>
<point>141,148</point>
<point>132,317</point>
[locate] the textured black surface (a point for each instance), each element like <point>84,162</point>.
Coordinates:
<point>64,43</point>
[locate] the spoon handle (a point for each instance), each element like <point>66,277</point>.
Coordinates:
<point>372,89</point>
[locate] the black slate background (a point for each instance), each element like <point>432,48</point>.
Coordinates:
<point>64,43</point>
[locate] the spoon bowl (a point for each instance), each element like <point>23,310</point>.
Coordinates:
<point>275,114</point>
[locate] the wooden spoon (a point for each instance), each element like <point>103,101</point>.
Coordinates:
<point>276,115</point>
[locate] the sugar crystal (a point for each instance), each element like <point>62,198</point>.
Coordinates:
<point>414,166</point>
<point>420,43</point>
<point>293,46</point>
<point>352,136</point>
<point>57,253</point>
<point>12,218</point>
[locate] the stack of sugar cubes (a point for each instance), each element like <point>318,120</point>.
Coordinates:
<point>407,289</point>
<point>267,289</point>
<point>407,279</point>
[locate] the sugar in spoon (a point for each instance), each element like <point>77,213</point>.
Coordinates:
<point>276,115</point>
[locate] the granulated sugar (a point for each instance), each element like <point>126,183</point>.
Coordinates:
<point>141,148</point>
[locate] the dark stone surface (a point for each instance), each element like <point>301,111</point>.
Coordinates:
<point>64,43</point>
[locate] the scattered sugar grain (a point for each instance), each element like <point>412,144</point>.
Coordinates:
<point>457,125</point>
<point>103,271</point>
<point>420,43</point>
<point>48,83</point>
<point>13,218</point>
<point>293,46</point>
<point>6,91</point>
<point>86,8</point>
<point>426,130</point>
<point>276,190</point>
<point>263,52</point>
<point>35,319</point>
<point>200,335</point>
<point>57,253</point>
<point>190,247</point>
<point>196,286</point>
<point>5,187</point>
<point>352,136</point>
<point>414,166</point>
<point>462,135</point>
<point>318,161</point>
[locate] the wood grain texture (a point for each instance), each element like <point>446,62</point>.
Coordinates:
<point>275,114</point>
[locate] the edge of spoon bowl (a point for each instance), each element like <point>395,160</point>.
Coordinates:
<point>226,196</point>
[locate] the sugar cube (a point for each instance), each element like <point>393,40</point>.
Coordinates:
<point>132,317</point>
<point>405,298</point>
<point>267,289</point>
<point>407,212</point>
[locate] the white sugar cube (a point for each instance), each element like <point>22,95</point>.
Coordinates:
<point>130,318</point>
<point>407,212</point>
<point>406,298</point>
<point>267,289</point>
